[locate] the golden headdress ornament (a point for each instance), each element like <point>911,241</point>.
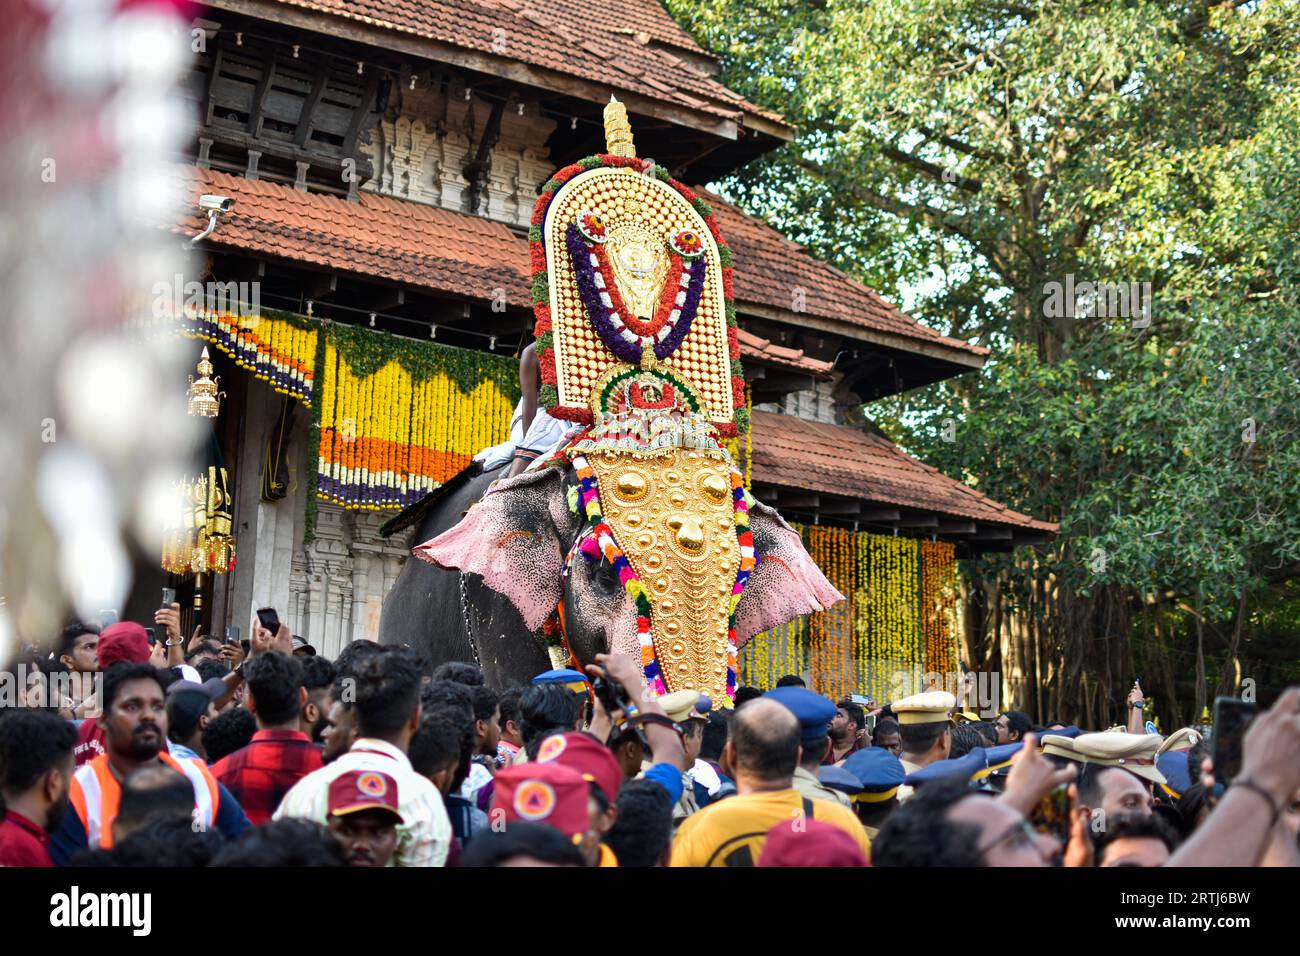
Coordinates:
<point>632,282</point>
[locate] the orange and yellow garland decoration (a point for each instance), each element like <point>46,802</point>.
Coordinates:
<point>393,417</point>
<point>398,417</point>
<point>939,591</point>
<point>277,347</point>
<point>830,633</point>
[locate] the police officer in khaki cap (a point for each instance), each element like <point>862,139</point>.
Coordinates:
<point>1055,745</point>
<point>1136,753</point>
<point>1184,738</point>
<point>924,724</point>
<point>1117,769</point>
<point>689,711</point>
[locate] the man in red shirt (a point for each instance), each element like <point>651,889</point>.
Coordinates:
<point>127,642</point>
<point>35,774</point>
<point>280,754</point>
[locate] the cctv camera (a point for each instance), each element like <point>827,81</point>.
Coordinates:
<point>216,203</point>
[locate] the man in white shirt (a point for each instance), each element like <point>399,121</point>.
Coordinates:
<point>387,713</point>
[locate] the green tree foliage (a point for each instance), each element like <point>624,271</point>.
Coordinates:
<point>974,158</point>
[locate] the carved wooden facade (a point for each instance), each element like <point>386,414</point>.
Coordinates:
<point>285,112</point>
<point>431,135</point>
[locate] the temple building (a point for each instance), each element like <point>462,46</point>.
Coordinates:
<point>367,294</point>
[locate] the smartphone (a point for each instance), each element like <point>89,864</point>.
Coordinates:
<point>232,634</point>
<point>153,639</point>
<point>269,619</point>
<point>169,597</point>
<point>1052,815</point>
<point>1231,718</point>
<point>108,617</point>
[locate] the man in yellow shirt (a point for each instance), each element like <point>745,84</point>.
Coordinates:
<point>763,749</point>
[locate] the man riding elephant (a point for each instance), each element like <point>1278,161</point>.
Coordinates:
<point>637,534</point>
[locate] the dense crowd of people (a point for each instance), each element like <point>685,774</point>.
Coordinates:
<point>121,751</point>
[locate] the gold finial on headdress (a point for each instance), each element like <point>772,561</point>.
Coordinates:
<point>618,131</point>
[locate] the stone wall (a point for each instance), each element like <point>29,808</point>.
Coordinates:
<point>815,404</point>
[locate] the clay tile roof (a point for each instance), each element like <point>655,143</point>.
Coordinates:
<point>756,347</point>
<point>532,35</point>
<point>461,254</point>
<point>770,268</point>
<point>647,17</point>
<point>838,460</point>
<point>378,236</point>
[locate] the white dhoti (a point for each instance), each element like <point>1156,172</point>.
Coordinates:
<point>545,436</point>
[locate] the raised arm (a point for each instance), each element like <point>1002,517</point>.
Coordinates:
<point>1239,829</point>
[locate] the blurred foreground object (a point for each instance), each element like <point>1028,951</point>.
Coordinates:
<point>88,433</point>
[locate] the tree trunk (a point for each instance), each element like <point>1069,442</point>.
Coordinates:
<point>1230,674</point>
<point>1200,661</point>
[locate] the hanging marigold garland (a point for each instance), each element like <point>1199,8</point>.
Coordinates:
<point>399,417</point>
<point>277,347</point>
<point>893,615</point>
<point>939,605</point>
<point>879,640</point>
<point>861,621</point>
<point>830,647</point>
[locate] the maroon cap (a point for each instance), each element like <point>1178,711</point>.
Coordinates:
<point>124,641</point>
<point>589,757</point>
<point>812,843</point>
<point>363,790</point>
<point>542,793</point>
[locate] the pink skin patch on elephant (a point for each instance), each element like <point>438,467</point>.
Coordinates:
<point>523,564</point>
<point>786,582</point>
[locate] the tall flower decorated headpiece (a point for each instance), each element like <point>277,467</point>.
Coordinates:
<point>636,337</point>
<point>630,273</point>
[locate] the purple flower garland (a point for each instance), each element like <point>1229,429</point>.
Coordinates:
<point>601,317</point>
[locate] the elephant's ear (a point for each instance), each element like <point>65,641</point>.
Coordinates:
<point>786,582</point>
<point>513,538</point>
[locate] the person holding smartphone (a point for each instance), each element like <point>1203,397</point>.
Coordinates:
<point>168,619</point>
<point>1136,705</point>
<point>1243,825</point>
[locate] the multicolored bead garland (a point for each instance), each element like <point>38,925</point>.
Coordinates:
<point>589,498</point>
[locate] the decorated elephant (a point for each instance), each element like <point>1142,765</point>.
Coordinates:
<point>489,584</point>
<point>637,534</point>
